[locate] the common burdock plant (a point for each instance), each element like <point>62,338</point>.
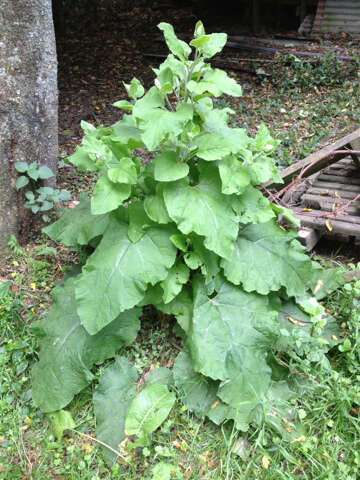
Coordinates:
<point>189,233</point>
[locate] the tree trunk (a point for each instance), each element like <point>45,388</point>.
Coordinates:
<point>28,102</point>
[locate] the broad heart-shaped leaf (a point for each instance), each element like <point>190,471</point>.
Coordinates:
<point>158,123</point>
<point>81,159</point>
<point>77,226</point>
<point>212,147</point>
<point>268,405</point>
<point>123,171</point>
<point>112,398</point>
<point>247,384</point>
<point>172,285</point>
<point>217,82</point>
<point>168,167</point>
<point>68,352</point>
<point>262,168</point>
<point>126,132</point>
<point>234,177</point>
<point>147,411</point>
<point>198,392</point>
<point>138,220</point>
<point>116,276</point>
<point>266,258</point>
<point>253,207</point>
<point>177,47</point>
<point>155,208</point>
<point>108,195</point>
<point>229,322</point>
<point>216,121</point>
<point>214,44</point>
<point>204,210</point>
<point>160,375</point>
<point>177,67</point>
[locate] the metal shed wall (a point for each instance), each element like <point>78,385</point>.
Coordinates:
<point>338,16</point>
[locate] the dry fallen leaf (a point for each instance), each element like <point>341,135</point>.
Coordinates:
<point>265,462</point>
<point>329,225</point>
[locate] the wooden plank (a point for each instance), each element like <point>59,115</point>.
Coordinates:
<point>335,178</point>
<point>319,213</point>
<point>331,194</point>
<point>319,159</point>
<point>336,186</point>
<point>319,223</point>
<point>329,205</point>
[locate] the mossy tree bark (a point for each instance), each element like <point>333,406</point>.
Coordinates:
<point>28,101</point>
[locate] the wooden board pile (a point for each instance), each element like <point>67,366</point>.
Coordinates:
<point>323,190</point>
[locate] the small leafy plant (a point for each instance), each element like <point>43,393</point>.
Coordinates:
<point>38,198</point>
<point>189,233</point>
<point>293,73</point>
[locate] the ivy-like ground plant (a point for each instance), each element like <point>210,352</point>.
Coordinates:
<point>189,233</point>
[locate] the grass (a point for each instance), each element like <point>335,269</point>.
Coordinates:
<point>328,442</point>
<point>327,445</point>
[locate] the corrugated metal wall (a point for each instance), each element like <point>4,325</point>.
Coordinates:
<point>338,16</point>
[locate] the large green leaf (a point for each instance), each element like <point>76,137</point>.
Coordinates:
<point>158,123</point>
<point>266,258</point>
<point>112,398</point>
<point>216,121</point>
<point>77,226</point>
<point>138,220</point>
<point>217,82</point>
<point>177,47</point>
<point>68,352</point>
<point>247,385</point>
<point>116,276</point>
<point>212,216</point>
<point>108,195</point>
<point>231,321</point>
<point>126,132</point>
<point>147,412</point>
<point>212,147</point>
<point>81,159</point>
<point>234,177</point>
<point>155,206</point>
<point>123,171</point>
<point>253,207</point>
<point>210,45</point>
<point>198,392</point>
<point>173,283</point>
<point>168,167</point>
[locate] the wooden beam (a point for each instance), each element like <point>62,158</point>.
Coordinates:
<point>319,223</point>
<point>315,162</point>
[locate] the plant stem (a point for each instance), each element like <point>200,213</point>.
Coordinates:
<point>189,77</point>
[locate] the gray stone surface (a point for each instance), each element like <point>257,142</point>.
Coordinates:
<point>28,100</point>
